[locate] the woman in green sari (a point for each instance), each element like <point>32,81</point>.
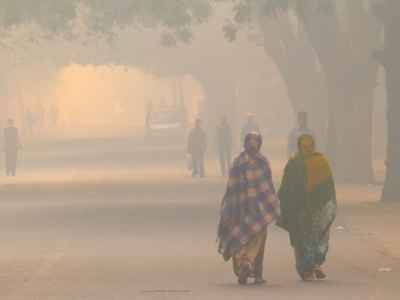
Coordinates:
<point>308,204</point>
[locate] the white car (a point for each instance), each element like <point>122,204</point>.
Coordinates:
<point>163,125</point>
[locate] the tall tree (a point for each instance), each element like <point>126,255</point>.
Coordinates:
<point>389,13</point>
<point>90,20</point>
<point>350,72</point>
<point>294,57</point>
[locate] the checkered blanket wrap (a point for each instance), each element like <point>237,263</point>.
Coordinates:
<point>250,202</point>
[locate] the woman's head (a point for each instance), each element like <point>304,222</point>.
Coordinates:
<point>253,140</point>
<point>306,145</point>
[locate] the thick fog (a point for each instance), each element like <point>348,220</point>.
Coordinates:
<point>105,200</point>
<point>110,84</point>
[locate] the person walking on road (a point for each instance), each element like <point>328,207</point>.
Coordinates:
<point>54,113</point>
<point>308,202</point>
<point>249,205</point>
<point>197,144</point>
<point>11,142</point>
<point>224,143</point>
<point>30,121</point>
<point>295,133</point>
<point>249,126</point>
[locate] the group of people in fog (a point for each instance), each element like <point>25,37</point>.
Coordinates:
<point>37,117</point>
<point>11,137</point>
<point>305,206</point>
<point>197,143</point>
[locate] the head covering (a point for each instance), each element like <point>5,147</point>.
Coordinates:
<point>307,185</point>
<point>250,202</point>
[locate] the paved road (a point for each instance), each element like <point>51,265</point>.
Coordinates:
<point>115,219</point>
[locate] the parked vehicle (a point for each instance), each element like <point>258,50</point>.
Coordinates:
<point>163,125</point>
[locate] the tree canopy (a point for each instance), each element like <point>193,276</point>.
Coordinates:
<point>99,19</point>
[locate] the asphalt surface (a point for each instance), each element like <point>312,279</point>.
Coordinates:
<point>112,218</point>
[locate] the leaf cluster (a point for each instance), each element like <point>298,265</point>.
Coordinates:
<point>88,20</point>
<point>245,9</point>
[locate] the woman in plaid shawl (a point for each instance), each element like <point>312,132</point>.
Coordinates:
<point>308,202</point>
<point>249,205</point>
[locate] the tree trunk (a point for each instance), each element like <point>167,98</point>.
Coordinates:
<point>295,60</point>
<point>349,131</point>
<point>351,77</point>
<point>390,59</point>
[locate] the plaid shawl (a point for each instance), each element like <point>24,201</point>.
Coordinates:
<point>307,185</point>
<point>250,202</point>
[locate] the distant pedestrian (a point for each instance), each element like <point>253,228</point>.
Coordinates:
<point>197,144</point>
<point>149,106</point>
<point>30,121</point>
<point>249,126</point>
<point>11,142</point>
<point>163,104</point>
<point>224,143</point>
<point>295,133</point>
<point>54,113</point>
<point>249,205</point>
<point>308,202</point>
<point>39,113</point>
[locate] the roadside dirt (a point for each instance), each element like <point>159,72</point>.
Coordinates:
<point>378,223</point>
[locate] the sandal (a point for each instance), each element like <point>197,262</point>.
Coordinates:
<point>318,272</point>
<point>260,281</point>
<point>309,277</point>
<point>244,274</point>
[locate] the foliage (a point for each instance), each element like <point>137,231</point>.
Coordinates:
<point>175,16</point>
<point>244,10</point>
<point>87,20</point>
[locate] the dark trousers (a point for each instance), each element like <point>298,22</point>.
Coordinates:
<point>225,158</point>
<point>198,162</point>
<point>11,161</point>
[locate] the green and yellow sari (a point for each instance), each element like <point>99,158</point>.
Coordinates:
<point>308,204</point>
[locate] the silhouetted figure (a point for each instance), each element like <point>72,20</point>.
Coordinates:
<point>39,113</point>
<point>149,106</point>
<point>224,144</point>
<point>295,133</point>
<point>248,127</point>
<point>30,121</point>
<point>163,104</point>
<point>54,113</point>
<point>11,141</point>
<point>197,144</point>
